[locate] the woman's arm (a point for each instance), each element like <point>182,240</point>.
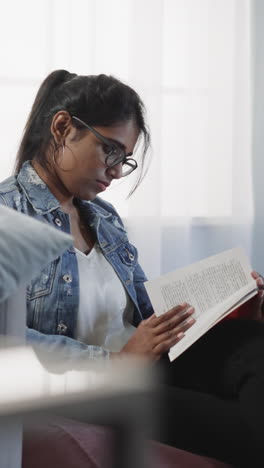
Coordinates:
<point>64,347</point>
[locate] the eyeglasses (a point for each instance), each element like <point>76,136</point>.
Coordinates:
<point>114,153</point>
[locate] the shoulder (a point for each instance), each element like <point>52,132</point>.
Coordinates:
<point>8,190</point>
<point>9,184</point>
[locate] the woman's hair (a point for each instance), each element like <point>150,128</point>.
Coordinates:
<point>98,100</point>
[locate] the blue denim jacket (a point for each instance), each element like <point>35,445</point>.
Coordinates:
<point>53,296</point>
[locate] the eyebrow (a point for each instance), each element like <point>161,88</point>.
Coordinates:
<point>116,142</point>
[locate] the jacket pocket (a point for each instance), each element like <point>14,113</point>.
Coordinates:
<point>42,284</point>
<point>128,254</point>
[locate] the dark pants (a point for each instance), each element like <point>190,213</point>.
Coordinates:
<point>213,402</point>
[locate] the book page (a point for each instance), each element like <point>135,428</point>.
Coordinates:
<point>212,286</point>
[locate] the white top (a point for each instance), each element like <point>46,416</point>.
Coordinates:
<point>105,310</point>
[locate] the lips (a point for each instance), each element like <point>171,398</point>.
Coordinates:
<point>103,183</point>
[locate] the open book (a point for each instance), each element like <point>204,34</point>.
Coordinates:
<point>214,286</point>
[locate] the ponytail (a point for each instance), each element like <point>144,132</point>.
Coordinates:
<point>36,133</point>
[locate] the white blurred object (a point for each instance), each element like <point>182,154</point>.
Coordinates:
<point>12,324</point>
<point>30,381</point>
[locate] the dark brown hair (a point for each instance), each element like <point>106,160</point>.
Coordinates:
<point>96,99</point>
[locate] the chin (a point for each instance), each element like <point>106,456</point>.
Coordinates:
<point>87,196</point>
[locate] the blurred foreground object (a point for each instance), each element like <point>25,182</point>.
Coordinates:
<point>118,393</point>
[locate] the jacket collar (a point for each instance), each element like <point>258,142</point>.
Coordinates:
<point>36,191</point>
<point>41,198</point>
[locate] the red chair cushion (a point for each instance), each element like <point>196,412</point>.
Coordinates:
<point>63,443</point>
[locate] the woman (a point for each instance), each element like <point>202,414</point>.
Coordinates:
<point>82,133</point>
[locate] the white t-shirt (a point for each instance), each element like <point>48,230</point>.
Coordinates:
<point>105,310</point>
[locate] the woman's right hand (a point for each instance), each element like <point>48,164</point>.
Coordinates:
<point>156,335</point>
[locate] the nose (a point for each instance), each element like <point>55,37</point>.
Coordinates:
<point>115,171</point>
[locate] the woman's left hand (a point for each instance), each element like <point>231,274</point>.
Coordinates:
<point>257,302</point>
<point>254,307</point>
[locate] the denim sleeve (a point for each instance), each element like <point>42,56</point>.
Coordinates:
<point>144,303</point>
<point>65,347</point>
<point>139,279</point>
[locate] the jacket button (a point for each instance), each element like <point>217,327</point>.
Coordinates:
<point>62,329</point>
<point>67,278</point>
<point>58,222</point>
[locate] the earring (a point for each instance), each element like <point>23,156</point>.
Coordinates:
<point>53,155</point>
<point>55,150</point>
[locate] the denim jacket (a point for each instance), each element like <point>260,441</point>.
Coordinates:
<point>53,296</point>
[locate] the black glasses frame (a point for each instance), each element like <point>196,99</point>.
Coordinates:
<point>123,158</point>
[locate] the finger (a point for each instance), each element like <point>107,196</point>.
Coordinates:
<point>260,282</point>
<point>257,275</point>
<point>151,318</point>
<point>189,322</point>
<point>173,322</point>
<point>260,290</point>
<point>166,342</point>
<point>260,285</point>
<point>171,335</point>
<point>171,313</point>
<point>164,347</point>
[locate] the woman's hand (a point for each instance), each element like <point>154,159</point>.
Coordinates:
<point>257,301</point>
<point>156,335</point>
<point>254,308</point>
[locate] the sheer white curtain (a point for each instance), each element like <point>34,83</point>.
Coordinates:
<point>190,62</point>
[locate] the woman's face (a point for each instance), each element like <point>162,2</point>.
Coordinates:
<point>80,167</point>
